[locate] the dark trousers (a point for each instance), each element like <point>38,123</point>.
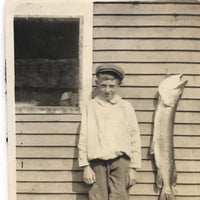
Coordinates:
<point>112,177</point>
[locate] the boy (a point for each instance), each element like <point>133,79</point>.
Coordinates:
<point>109,144</point>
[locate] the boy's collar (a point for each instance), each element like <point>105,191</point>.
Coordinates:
<point>116,99</point>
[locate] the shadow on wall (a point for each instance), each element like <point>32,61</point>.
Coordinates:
<point>155,102</point>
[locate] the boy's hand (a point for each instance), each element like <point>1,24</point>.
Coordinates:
<point>132,177</point>
<point>89,175</point>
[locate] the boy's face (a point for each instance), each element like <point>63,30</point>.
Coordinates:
<point>107,88</point>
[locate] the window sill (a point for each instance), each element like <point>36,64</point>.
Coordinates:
<point>47,110</point>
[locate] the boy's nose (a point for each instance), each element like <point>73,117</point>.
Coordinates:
<point>107,89</point>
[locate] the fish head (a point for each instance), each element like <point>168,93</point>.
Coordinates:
<point>171,89</point>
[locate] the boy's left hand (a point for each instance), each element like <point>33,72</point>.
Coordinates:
<point>132,177</point>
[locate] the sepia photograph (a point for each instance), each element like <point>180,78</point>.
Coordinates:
<point>103,99</point>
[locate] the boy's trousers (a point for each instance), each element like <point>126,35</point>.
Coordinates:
<point>112,178</point>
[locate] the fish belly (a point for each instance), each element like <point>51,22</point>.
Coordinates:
<point>162,147</point>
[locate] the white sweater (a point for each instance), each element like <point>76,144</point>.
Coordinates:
<point>109,129</point>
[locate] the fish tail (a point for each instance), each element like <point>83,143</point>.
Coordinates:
<point>167,194</point>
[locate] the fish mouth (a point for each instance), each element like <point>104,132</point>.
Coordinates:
<point>182,82</point>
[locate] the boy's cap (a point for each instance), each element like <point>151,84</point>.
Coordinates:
<point>110,68</point>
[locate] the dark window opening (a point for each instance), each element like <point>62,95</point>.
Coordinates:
<point>46,61</point>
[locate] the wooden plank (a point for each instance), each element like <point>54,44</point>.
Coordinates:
<point>145,20</point>
<point>149,104</point>
<point>156,68</point>
<point>72,152</point>
<point>47,152</point>
<point>189,154</point>
<point>49,176</point>
<point>85,197</point>
<point>55,197</point>
<point>142,116</point>
<point>138,104</point>
<point>52,188</point>
<point>184,129</point>
<point>145,44</point>
<point>146,32</point>
<point>47,140</point>
<point>47,164</point>
<point>76,176</point>
<point>72,164</point>
<point>72,140</point>
<point>180,117</point>
<point>69,164</point>
<point>187,190</point>
<point>35,128</point>
<point>55,152</point>
<point>138,8</point>
<point>186,166</point>
<point>138,189</point>
<point>149,189</point>
<point>188,178</point>
<point>146,56</point>
<point>124,92</point>
<point>49,117</point>
<point>185,142</point>
<point>179,129</point>
<point>153,80</point>
<point>134,92</point>
<point>47,127</point>
<point>179,141</point>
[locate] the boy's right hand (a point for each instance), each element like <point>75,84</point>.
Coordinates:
<point>89,175</point>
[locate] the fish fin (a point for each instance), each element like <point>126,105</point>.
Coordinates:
<point>170,196</point>
<point>167,195</point>
<point>152,148</point>
<point>174,176</point>
<point>162,195</point>
<point>159,180</point>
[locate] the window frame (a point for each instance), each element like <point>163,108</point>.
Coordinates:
<point>76,9</point>
<point>58,109</point>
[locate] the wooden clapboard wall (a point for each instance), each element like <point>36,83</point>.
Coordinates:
<point>148,40</point>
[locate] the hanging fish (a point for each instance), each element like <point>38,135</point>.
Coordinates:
<point>170,91</point>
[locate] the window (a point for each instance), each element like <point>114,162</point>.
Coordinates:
<point>47,61</point>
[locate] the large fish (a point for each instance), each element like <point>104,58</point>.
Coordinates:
<point>170,91</point>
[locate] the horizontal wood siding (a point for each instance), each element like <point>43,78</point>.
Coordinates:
<point>82,197</point>
<point>72,140</point>
<point>163,33</point>
<point>139,189</point>
<point>149,40</point>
